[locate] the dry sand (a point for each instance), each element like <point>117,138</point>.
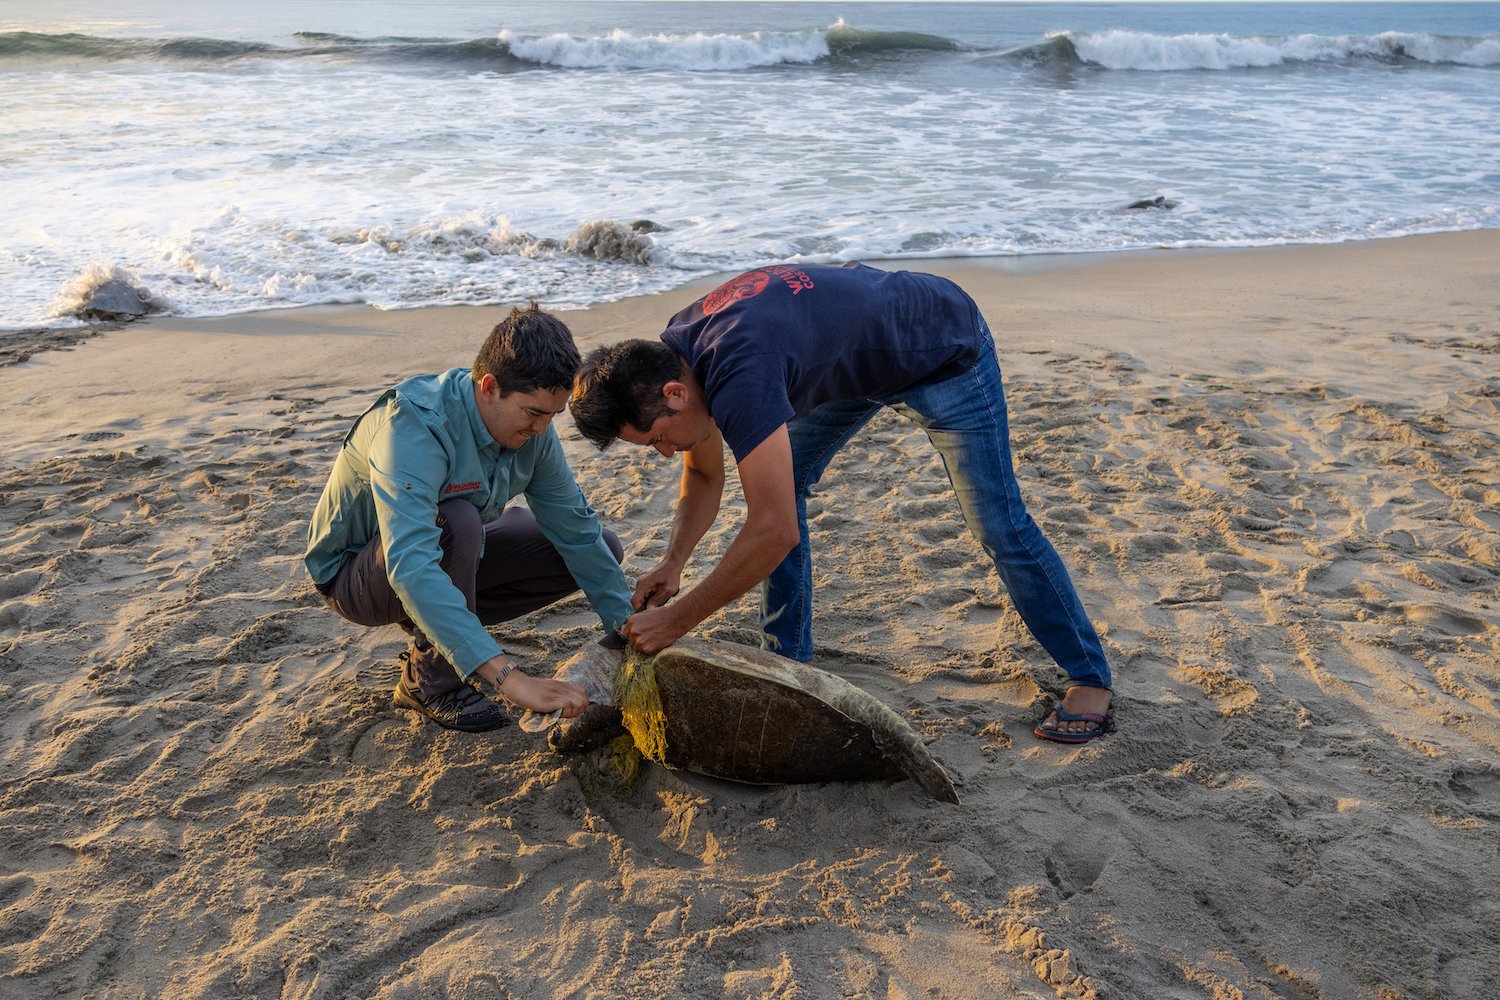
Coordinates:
<point>1274,474</point>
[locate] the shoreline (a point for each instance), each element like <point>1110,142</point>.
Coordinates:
<point>36,339</point>
<point>1179,308</point>
<point>1270,472</point>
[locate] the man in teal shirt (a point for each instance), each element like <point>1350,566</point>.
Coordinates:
<point>412,528</point>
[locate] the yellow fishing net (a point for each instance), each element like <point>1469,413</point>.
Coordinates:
<point>622,761</point>
<point>640,704</point>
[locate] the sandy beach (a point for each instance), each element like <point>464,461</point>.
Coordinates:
<point>1273,474</point>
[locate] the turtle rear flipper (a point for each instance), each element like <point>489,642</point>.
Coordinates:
<point>898,741</point>
<point>916,763</point>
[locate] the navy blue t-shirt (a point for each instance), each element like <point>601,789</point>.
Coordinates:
<point>777,341</point>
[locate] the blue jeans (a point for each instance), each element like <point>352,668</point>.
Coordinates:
<point>964,417</point>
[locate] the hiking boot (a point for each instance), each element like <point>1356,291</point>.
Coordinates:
<point>464,708</point>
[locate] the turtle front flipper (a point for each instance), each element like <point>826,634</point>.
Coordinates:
<point>595,727</point>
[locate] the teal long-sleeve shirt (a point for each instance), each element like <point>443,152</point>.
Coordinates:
<point>424,442</point>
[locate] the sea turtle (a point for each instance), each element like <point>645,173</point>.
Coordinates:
<point>732,711</point>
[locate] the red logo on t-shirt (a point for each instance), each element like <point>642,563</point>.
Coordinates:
<point>746,286</point>
<point>461,487</point>
<point>752,283</point>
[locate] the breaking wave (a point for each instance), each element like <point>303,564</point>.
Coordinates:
<point>618,49</point>
<point>623,50</point>
<point>702,52</point>
<point>470,259</point>
<point>26,46</point>
<point>1136,50</point>
<point>839,43</point>
<point>476,237</point>
<point>105,290</point>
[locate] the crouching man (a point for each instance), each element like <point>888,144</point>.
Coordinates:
<point>413,529</point>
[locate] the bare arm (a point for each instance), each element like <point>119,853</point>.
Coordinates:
<point>540,694</point>
<point>769,533</point>
<point>699,495</point>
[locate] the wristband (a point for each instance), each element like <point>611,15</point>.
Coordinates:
<point>504,673</point>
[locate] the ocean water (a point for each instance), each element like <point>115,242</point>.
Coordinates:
<point>227,158</point>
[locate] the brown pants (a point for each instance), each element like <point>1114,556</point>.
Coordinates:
<point>518,573</point>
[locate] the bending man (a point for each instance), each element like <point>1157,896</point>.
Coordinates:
<point>785,365</point>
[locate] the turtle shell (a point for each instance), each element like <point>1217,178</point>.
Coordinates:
<point>744,714</point>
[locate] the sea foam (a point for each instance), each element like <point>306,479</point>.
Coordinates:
<point>624,50</point>
<point>81,297</point>
<point>1137,50</point>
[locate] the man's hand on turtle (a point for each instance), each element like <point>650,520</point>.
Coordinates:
<point>544,694</point>
<point>653,629</point>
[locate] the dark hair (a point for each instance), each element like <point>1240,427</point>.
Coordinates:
<point>621,384</point>
<point>527,351</point>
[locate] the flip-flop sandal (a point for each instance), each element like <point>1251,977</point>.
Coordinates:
<point>1102,724</point>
